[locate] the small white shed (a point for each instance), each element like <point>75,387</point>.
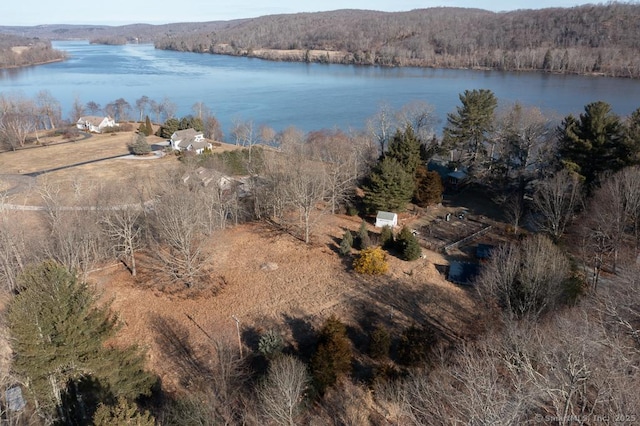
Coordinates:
<point>386,219</point>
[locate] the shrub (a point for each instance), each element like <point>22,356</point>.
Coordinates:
<point>346,243</point>
<point>140,145</point>
<point>124,413</point>
<point>333,356</point>
<point>408,246</point>
<point>371,261</point>
<point>380,342</point>
<point>415,345</point>
<point>271,344</point>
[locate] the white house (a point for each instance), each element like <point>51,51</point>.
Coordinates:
<point>95,124</point>
<point>386,219</point>
<point>189,140</point>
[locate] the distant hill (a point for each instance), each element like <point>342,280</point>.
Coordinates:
<point>590,39</point>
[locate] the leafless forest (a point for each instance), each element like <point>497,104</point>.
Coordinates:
<point>599,39</point>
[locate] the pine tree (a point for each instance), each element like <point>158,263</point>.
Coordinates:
<point>148,126</point>
<point>58,335</point>
<point>333,356</point>
<point>346,243</point>
<point>468,128</point>
<point>408,245</point>
<point>364,241</point>
<point>389,187</point>
<point>593,143</point>
<point>122,414</point>
<point>405,148</point>
<point>386,237</point>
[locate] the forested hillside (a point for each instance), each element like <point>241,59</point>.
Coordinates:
<point>601,39</point>
<point>18,51</point>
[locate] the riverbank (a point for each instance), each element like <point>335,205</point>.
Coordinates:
<point>52,61</point>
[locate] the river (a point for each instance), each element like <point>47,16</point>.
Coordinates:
<point>283,94</point>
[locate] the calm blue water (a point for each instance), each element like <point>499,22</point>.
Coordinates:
<point>307,96</point>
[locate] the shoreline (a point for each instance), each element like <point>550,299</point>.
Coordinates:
<point>51,61</point>
<point>328,57</point>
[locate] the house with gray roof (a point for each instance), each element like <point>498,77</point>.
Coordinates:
<point>189,140</point>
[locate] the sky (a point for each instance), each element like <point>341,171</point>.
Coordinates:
<point>120,12</point>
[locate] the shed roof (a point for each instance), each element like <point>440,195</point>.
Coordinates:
<point>386,215</point>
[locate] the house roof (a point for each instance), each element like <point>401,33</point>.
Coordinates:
<point>94,120</point>
<point>386,215</point>
<point>199,144</point>
<point>184,134</point>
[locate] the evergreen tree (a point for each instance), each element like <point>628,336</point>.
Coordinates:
<point>333,356</point>
<point>408,245</point>
<point>191,122</point>
<point>140,146</point>
<point>405,148</point>
<point>386,237</point>
<point>148,126</point>
<point>593,143</point>
<point>389,186</point>
<point>632,137</point>
<point>364,241</point>
<point>58,336</point>
<point>346,243</point>
<point>122,414</point>
<point>168,128</point>
<point>468,129</point>
<point>429,187</point>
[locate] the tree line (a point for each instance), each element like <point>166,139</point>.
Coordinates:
<point>590,39</point>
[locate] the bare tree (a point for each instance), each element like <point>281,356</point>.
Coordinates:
<point>382,126</point>
<point>526,278</point>
<point>141,104</point>
<point>421,117</point>
<point>556,199</point>
<point>118,109</point>
<point>48,109</point>
<point>168,109</point>
<point>17,120</point>
<point>179,239</point>
<point>77,110</point>
<point>122,223</point>
<point>283,390</point>
<point>339,155</point>
<point>14,255</point>
<point>201,110</point>
<point>93,107</point>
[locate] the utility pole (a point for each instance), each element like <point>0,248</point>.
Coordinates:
<point>238,330</point>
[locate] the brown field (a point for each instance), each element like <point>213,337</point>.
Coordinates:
<point>82,165</point>
<point>302,287</point>
<point>309,284</point>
